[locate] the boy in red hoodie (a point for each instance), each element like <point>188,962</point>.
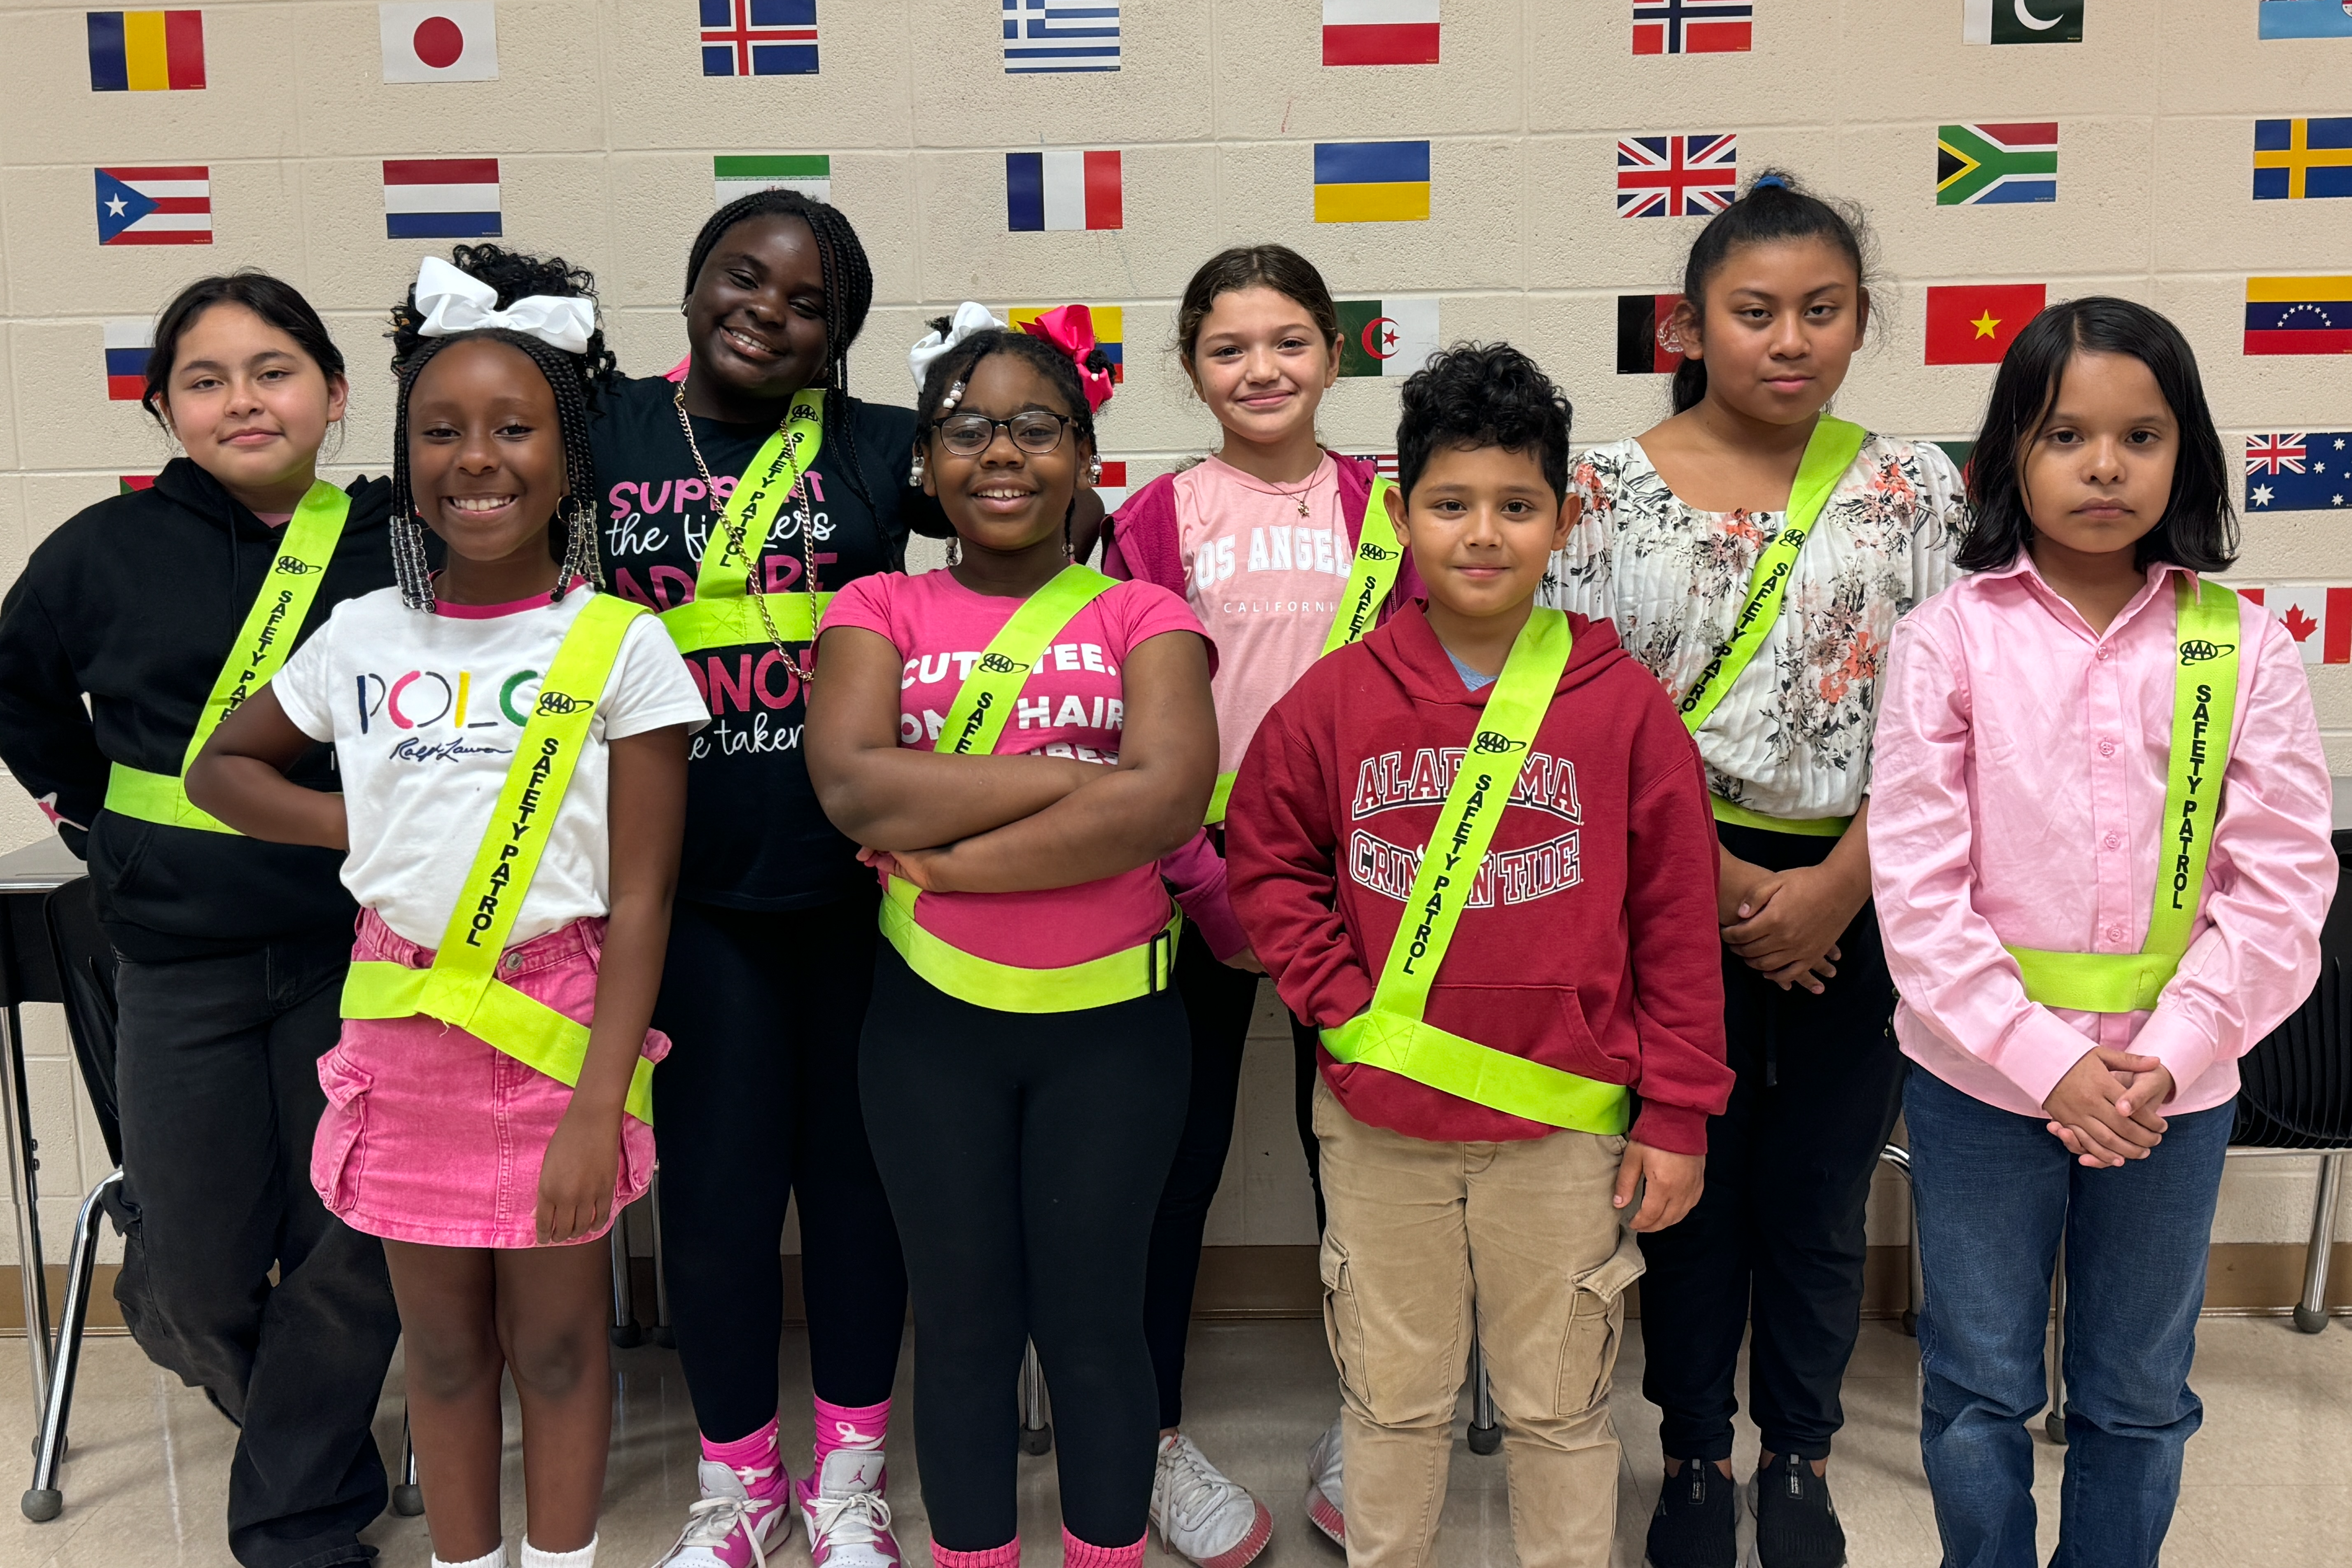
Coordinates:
<point>1499,1013</point>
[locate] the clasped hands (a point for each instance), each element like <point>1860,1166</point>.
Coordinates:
<point>1785,925</point>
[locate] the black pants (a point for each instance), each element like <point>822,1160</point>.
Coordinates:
<point>1218,1001</point>
<point>218,1076</point>
<point>1025,1154</point>
<point>1776,1240</point>
<point>757,1101</point>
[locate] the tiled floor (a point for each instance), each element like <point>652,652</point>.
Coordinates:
<point>2269,1480</point>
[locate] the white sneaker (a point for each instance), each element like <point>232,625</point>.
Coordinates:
<point>728,1528</point>
<point>1203,1514</point>
<point>849,1521</point>
<point>1327,1505</point>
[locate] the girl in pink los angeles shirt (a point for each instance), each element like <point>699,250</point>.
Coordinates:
<point>2099,845</point>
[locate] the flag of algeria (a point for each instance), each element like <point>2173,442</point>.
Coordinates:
<point>1386,337</point>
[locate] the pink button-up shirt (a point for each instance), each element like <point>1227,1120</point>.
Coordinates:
<point>2017,797</point>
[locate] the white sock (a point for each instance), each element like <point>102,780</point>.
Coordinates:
<point>495,1558</point>
<point>532,1557</point>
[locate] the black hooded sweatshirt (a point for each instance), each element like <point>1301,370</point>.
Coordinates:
<point>109,643</point>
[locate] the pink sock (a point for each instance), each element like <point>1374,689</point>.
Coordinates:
<point>1005,1556</point>
<point>848,1426</point>
<point>756,1460</point>
<point>1077,1553</point>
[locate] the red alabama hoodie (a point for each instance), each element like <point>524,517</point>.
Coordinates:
<point>1590,943</point>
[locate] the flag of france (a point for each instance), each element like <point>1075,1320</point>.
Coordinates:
<point>1062,190</point>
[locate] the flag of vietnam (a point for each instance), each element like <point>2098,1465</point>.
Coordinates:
<point>1974,323</point>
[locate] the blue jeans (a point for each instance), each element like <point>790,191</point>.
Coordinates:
<point>1994,1190</point>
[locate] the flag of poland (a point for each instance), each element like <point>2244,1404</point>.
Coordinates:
<point>1063,190</point>
<point>456,42</point>
<point>1380,32</point>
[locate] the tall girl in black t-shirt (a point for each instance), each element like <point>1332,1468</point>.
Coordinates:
<point>772,944</point>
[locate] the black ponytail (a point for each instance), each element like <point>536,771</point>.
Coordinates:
<point>1773,210</point>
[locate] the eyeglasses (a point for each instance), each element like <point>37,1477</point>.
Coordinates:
<point>1033,430</point>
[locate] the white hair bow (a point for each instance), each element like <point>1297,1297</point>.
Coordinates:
<point>452,301</point>
<point>969,318</point>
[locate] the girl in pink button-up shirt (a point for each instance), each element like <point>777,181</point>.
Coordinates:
<point>2019,799</point>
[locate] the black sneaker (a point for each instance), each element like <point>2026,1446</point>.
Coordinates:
<point>1796,1524</point>
<point>1697,1521</point>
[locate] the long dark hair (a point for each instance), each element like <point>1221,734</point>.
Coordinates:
<point>954,368</point>
<point>848,278</point>
<point>275,300</point>
<point>1773,210</point>
<point>575,380</point>
<point>1275,267</point>
<point>2198,529</point>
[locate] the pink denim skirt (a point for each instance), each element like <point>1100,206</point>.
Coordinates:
<point>431,1135</point>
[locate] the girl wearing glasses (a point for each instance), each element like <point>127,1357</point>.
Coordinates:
<point>1016,740</point>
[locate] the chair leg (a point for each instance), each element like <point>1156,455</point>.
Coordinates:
<point>46,1499</point>
<point>1915,1280</point>
<point>663,1335</point>
<point>2054,1422</point>
<point>2311,1312</point>
<point>1036,1413</point>
<point>626,1335</point>
<point>408,1496</point>
<point>1486,1430</point>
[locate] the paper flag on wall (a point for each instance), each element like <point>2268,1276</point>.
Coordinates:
<point>1677,176</point>
<point>1110,330</point>
<point>2306,19</point>
<point>759,37</point>
<point>1112,486</point>
<point>1693,26</point>
<point>2299,471</point>
<point>1371,181</point>
<point>146,51</point>
<point>2022,21</point>
<point>2298,158</point>
<point>1990,165</point>
<point>441,198</point>
<point>1961,453</point>
<point>126,483</point>
<point>127,344</point>
<point>1380,32</point>
<point>2317,615</point>
<point>1061,189</point>
<point>1386,337</point>
<point>439,42</point>
<point>810,174</point>
<point>1047,36</point>
<point>2299,315</point>
<point>1974,323</point>
<point>1645,335</point>
<point>155,206</point>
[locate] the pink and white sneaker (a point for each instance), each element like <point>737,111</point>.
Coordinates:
<point>730,1528</point>
<point>847,1518</point>
<point>1327,1498</point>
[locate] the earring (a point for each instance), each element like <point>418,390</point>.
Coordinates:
<point>955,548</point>
<point>914,474</point>
<point>1094,472</point>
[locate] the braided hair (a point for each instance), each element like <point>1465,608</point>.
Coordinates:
<point>944,383</point>
<point>574,378</point>
<point>848,280</point>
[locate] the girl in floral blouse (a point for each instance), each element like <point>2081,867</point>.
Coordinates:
<point>1756,553</point>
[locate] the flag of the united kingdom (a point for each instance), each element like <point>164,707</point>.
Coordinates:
<point>1677,176</point>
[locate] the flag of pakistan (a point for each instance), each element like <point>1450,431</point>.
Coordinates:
<point>2022,21</point>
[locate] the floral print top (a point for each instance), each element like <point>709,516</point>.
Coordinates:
<point>1792,738</point>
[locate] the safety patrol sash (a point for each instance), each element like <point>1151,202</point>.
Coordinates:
<point>263,644</point>
<point>2204,707</point>
<point>1829,452</point>
<point>1371,578</point>
<point>722,613</point>
<point>975,722</point>
<point>1392,1035</point>
<point>461,987</point>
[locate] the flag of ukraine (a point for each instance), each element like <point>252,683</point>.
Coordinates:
<point>1371,181</point>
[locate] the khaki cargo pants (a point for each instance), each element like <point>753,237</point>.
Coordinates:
<point>1424,1239</point>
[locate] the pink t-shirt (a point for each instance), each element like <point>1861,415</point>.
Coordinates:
<point>1072,706</point>
<point>1264,581</point>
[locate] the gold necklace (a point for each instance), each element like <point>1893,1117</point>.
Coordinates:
<point>735,537</point>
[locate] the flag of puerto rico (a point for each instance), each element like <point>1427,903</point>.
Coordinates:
<point>1677,176</point>
<point>155,206</point>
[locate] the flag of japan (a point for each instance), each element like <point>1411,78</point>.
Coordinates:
<point>1063,190</point>
<point>456,42</point>
<point>2317,615</point>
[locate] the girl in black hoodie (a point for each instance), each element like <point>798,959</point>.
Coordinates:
<point>133,630</point>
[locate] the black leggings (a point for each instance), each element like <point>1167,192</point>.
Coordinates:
<point>1219,1002</point>
<point>1025,1154</point>
<point>758,1100</point>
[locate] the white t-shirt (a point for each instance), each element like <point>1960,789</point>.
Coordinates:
<point>425,711</point>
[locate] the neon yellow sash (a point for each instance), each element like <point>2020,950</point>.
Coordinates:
<point>1811,826</point>
<point>462,988</point>
<point>974,724</point>
<point>1369,581</point>
<point>2204,707</point>
<point>722,613</point>
<point>1829,452</point>
<point>263,645</point>
<point>1391,1034</point>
